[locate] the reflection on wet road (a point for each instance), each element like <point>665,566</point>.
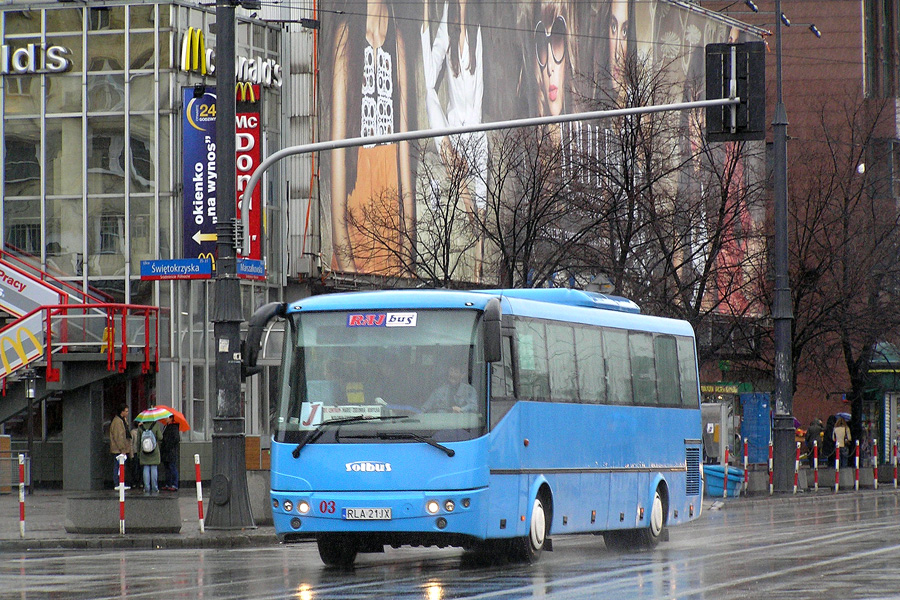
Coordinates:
<point>844,546</point>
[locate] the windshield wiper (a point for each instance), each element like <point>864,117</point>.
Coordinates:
<point>320,428</point>
<point>419,438</point>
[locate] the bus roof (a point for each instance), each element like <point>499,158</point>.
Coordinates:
<point>559,304</point>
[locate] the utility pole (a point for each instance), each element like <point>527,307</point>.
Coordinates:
<point>782,314</point>
<point>230,500</point>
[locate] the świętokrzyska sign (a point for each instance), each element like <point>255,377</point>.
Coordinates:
<point>196,57</point>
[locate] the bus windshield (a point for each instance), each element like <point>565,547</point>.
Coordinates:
<point>422,368</point>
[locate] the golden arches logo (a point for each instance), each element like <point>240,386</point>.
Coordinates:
<point>210,257</point>
<point>244,89</point>
<point>19,347</point>
<point>193,51</point>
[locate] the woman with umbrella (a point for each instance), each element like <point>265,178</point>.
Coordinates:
<point>171,441</point>
<point>151,436</point>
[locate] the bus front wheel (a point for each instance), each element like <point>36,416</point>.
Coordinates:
<point>529,548</point>
<point>336,551</point>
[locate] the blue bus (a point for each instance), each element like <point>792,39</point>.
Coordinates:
<point>490,420</point>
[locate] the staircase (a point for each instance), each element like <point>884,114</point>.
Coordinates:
<point>55,324</point>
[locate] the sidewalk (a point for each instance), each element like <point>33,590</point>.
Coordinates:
<point>45,526</point>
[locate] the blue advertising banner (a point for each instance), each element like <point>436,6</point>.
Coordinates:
<point>179,268</point>
<point>200,173</point>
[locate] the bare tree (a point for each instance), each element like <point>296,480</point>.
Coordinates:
<point>437,251</point>
<point>845,229</point>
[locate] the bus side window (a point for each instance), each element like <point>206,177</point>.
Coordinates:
<point>687,369</point>
<point>561,359</point>
<point>534,378</point>
<point>643,369</point>
<point>618,366</point>
<point>667,370</point>
<point>591,370</point>
<point>501,372</point>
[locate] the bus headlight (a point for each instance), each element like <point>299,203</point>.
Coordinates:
<point>432,506</point>
<point>288,505</point>
<point>303,507</point>
<point>449,506</point>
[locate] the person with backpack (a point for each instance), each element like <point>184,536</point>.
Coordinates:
<point>169,452</point>
<point>151,435</point>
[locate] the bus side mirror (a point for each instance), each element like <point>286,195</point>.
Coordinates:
<point>251,346</point>
<point>492,333</point>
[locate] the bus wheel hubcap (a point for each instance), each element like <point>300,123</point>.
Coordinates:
<point>538,524</point>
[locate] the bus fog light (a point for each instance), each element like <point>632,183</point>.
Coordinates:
<point>432,507</point>
<point>449,506</point>
<point>295,523</point>
<point>441,522</point>
<point>303,507</point>
<point>288,506</point>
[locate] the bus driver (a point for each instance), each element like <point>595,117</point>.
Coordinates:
<point>455,395</point>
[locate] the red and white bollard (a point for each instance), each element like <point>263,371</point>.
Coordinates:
<point>894,461</point>
<point>121,487</point>
<point>771,472</point>
<point>816,464</point>
<point>746,465</point>
<point>22,495</point>
<point>199,491</point>
<point>856,466</point>
<point>796,467</point>
<point>875,463</point>
<point>837,468</point>
<point>725,475</point>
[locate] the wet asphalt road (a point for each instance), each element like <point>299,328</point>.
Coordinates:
<point>824,546</point>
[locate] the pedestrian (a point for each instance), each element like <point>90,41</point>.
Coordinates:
<point>134,465</point>
<point>151,435</point>
<point>120,441</point>
<point>827,454</point>
<point>169,452</point>
<point>842,439</point>
<point>813,435</point>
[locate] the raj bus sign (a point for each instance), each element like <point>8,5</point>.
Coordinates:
<point>200,171</point>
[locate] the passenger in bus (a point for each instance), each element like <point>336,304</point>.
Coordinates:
<point>454,395</point>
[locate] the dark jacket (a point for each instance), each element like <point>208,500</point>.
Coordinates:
<point>171,440</point>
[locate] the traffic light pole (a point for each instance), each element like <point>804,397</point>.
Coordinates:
<point>782,313</point>
<point>230,501</point>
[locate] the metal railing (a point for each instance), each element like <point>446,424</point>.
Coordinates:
<point>9,471</point>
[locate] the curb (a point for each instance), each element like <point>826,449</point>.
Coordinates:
<point>136,542</point>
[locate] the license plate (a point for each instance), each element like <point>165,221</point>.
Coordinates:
<point>367,514</point>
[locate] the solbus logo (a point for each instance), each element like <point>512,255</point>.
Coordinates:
<point>365,466</point>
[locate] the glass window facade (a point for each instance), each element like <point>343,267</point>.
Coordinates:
<point>92,170</point>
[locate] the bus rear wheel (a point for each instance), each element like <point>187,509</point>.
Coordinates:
<point>528,549</point>
<point>649,537</point>
<point>337,551</point>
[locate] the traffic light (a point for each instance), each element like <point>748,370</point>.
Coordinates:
<point>736,70</point>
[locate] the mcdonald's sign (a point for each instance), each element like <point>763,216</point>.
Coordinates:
<point>23,356</point>
<point>245,92</point>
<point>195,57</point>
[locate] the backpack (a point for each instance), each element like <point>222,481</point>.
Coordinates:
<point>148,441</point>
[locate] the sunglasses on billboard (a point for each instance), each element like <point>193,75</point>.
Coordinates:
<point>555,40</point>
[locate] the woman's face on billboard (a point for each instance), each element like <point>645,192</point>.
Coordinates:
<point>618,37</point>
<point>550,45</point>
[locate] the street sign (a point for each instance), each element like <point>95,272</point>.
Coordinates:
<point>179,268</point>
<point>736,70</point>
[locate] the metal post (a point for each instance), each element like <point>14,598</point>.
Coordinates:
<point>230,500</point>
<point>29,421</point>
<point>782,313</point>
